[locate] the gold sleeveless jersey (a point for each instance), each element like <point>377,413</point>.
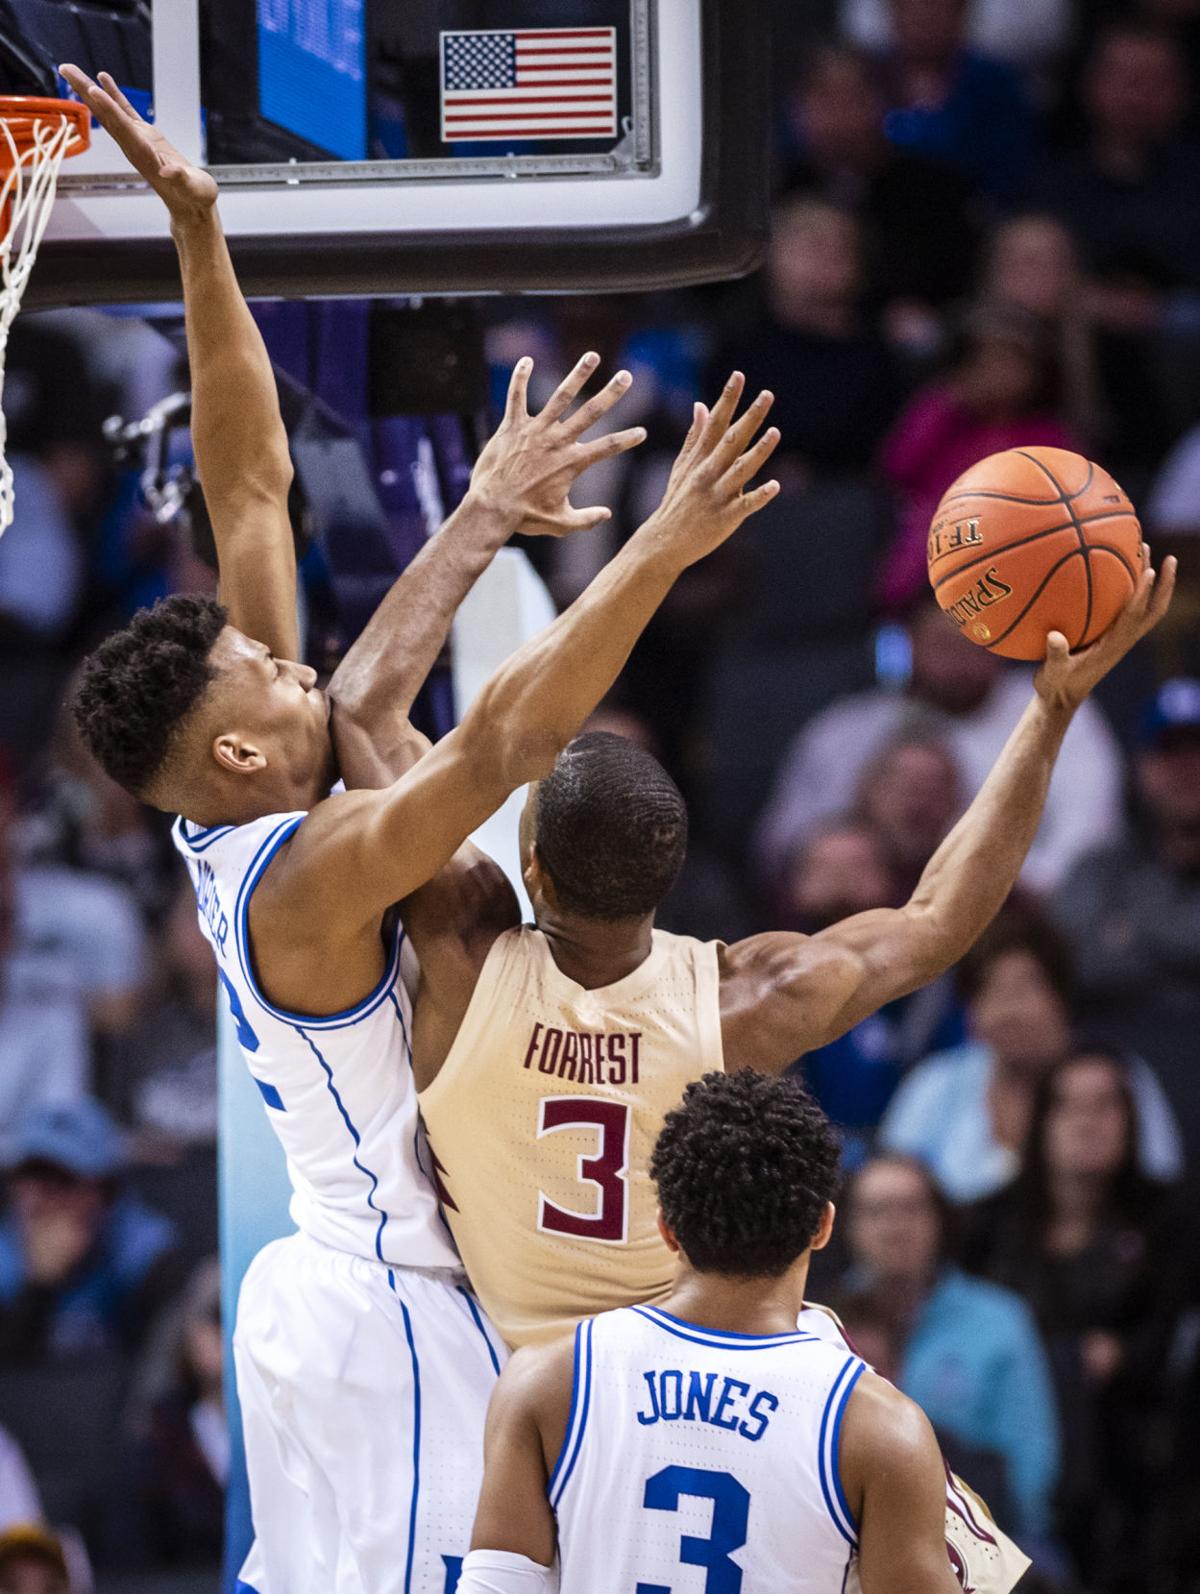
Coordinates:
<point>543,1119</point>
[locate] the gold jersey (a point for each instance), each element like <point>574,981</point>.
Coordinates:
<point>543,1118</point>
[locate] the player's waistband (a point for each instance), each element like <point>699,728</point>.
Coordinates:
<point>452,1276</point>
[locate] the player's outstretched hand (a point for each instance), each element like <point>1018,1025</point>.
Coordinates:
<point>1066,678</point>
<point>186,190</point>
<point>530,464</point>
<point>704,502</point>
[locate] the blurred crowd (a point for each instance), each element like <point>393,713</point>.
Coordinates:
<point>986,233</point>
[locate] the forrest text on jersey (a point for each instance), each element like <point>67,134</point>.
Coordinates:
<point>585,1057</point>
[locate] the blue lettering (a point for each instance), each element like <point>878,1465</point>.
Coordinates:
<point>209,904</point>
<point>646,1418</point>
<point>726,1400</point>
<point>760,1408</point>
<point>699,1401</point>
<point>671,1394</point>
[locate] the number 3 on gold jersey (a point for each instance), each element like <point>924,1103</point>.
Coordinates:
<point>607,1170</point>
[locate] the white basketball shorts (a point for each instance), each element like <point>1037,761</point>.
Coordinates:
<point>363,1390</point>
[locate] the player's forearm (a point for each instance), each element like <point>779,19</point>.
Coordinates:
<point>237,431</point>
<point>540,697</point>
<point>975,868</point>
<point>387,666</point>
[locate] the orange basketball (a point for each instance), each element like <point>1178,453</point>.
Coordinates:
<point>1031,541</point>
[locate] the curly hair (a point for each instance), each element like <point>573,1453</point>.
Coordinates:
<point>612,828</point>
<point>139,686</point>
<point>745,1167</point>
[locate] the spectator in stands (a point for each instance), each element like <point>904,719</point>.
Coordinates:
<point>84,1265</point>
<point>908,205</point>
<point>32,1561</point>
<point>910,793</point>
<point>1131,910</point>
<point>168,1083</point>
<point>842,869</point>
<point>168,1509</point>
<point>1128,193</point>
<point>1004,388</point>
<point>1098,1251</point>
<point>950,104</point>
<point>76,936</point>
<point>44,1042</point>
<point>836,387</point>
<point>971,698</point>
<point>1033,266</point>
<point>967,1112</point>
<point>971,1354</point>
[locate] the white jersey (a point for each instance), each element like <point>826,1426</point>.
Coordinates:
<point>696,1460</point>
<point>338,1090</point>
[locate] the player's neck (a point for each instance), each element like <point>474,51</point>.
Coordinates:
<point>737,1305</point>
<point>596,952</point>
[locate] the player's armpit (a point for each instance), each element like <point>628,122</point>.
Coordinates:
<point>514,1512</point>
<point>894,1479</point>
<point>782,995</point>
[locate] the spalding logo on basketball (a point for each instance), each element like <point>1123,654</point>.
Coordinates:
<point>1031,541</point>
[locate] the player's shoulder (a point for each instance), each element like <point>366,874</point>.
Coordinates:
<point>882,1430</point>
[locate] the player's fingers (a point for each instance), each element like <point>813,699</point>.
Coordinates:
<point>588,414</point>
<point>585,519</point>
<point>607,447</point>
<point>750,503</point>
<point>1058,649</point>
<point>1164,590</point>
<point>565,393</point>
<point>518,388</point>
<point>753,460</point>
<point>738,436</point>
<point>717,422</point>
<point>113,89</point>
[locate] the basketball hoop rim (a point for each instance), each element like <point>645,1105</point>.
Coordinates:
<point>22,114</point>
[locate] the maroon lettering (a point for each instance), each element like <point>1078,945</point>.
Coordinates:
<point>551,1047</point>
<point>616,1059</point>
<point>636,1040</point>
<point>587,1049</point>
<point>570,1055</point>
<point>533,1043</point>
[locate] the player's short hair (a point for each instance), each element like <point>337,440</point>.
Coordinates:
<point>745,1167</point>
<point>612,828</point>
<point>140,685</point>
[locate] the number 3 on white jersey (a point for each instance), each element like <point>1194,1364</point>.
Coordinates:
<point>607,1170</point>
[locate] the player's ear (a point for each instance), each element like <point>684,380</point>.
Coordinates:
<point>825,1228</point>
<point>668,1234</point>
<point>537,879</point>
<point>238,755</point>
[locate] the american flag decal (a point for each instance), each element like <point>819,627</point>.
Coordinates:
<point>529,83</point>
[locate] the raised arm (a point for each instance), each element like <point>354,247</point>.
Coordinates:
<point>359,853</point>
<point>521,482</point>
<point>783,995</point>
<point>238,434</point>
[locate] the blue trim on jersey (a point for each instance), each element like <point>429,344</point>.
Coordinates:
<point>355,1136</point>
<point>576,1388</point>
<point>416,1494</point>
<point>719,1340</point>
<point>269,1094</point>
<point>241,932</point>
<point>827,1464</point>
<point>203,839</point>
<point>475,1313</point>
<point>241,1587</point>
<point>583,1352</point>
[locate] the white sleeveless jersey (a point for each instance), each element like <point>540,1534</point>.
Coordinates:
<point>338,1090</point>
<point>702,1461</point>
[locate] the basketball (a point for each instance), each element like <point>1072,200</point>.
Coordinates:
<point>1030,541</point>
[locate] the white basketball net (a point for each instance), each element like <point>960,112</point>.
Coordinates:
<point>30,186</point>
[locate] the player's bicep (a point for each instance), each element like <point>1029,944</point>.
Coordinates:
<point>887,953</point>
<point>514,1512</point>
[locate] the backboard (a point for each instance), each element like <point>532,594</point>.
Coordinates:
<point>415,146</point>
